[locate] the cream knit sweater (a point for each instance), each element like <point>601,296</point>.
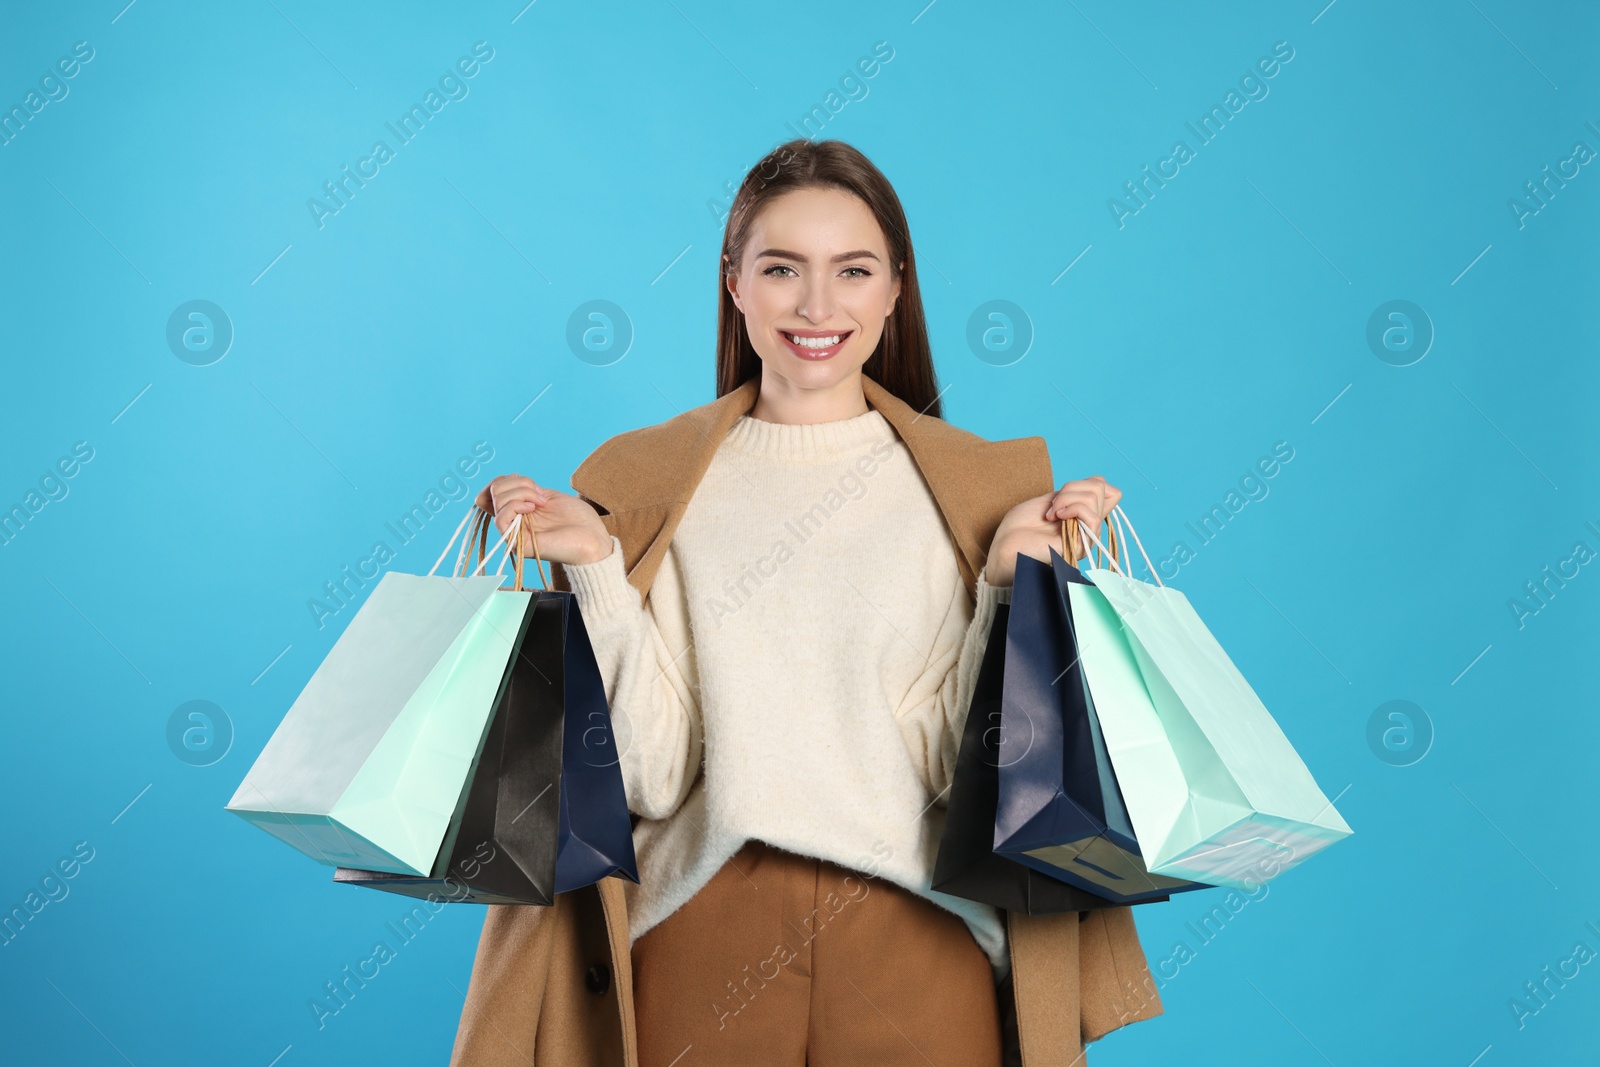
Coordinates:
<point>809,641</point>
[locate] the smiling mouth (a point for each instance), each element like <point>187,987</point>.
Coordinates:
<point>814,345</point>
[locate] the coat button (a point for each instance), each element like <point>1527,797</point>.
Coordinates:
<point>598,979</point>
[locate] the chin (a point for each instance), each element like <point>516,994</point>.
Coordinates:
<point>819,374</point>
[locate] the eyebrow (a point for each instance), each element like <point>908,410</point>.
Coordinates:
<point>784,253</point>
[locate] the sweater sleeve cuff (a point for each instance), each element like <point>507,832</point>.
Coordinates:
<point>602,587</point>
<point>996,594</point>
<point>986,603</point>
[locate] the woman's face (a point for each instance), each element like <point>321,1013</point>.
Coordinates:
<point>815,286</point>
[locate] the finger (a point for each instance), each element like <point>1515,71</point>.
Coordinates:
<point>1082,510</point>
<point>514,488</point>
<point>508,483</point>
<point>510,508</point>
<point>1070,493</point>
<point>497,484</point>
<point>519,499</point>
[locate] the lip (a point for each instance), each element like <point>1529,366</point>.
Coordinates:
<point>815,354</point>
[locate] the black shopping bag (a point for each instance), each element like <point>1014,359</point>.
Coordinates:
<point>1060,810</point>
<point>967,865</point>
<point>543,810</point>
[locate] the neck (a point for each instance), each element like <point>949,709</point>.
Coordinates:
<point>782,401</point>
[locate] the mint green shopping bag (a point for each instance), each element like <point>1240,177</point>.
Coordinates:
<point>367,766</point>
<point>1215,791</point>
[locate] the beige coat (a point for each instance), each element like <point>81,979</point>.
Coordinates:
<point>553,986</point>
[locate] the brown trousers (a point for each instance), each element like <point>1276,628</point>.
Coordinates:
<point>791,961</point>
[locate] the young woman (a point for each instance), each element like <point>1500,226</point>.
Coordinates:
<point>822,556</point>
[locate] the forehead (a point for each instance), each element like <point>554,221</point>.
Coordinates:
<point>820,220</point>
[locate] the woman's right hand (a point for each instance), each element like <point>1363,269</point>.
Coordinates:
<point>569,529</point>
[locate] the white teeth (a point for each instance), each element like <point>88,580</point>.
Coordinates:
<point>815,342</point>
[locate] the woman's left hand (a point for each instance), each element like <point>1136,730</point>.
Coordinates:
<point>1034,525</point>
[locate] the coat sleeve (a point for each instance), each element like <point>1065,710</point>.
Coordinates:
<point>529,1000</point>
<point>1075,977</point>
<point>649,671</point>
<point>1117,987</point>
<point>934,713</point>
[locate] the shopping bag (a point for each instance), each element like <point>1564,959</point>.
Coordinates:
<point>1059,807</point>
<point>367,767</point>
<point>544,810</point>
<point>1214,789</point>
<point>967,864</point>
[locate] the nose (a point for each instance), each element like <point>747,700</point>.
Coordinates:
<point>817,301</point>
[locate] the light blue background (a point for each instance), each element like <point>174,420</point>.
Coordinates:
<point>586,163</point>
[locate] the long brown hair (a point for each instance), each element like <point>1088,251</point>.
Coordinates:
<point>902,363</point>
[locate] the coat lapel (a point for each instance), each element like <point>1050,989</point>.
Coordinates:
<point>642,481</point>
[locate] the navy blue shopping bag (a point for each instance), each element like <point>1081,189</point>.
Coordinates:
<point>967,864</point>
<point>543,810</point>
<point>1059,808</point>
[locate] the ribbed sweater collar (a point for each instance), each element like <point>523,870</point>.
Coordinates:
<point>810,440</point>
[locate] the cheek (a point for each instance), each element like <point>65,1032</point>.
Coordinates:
<point>761,304</point>
<point>869,304</point>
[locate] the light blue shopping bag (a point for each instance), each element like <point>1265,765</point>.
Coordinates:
<point>367,766</point>
<point>1215,791</point>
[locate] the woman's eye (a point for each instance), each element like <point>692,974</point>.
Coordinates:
<point>861,272</point>
<point>778,266</point>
